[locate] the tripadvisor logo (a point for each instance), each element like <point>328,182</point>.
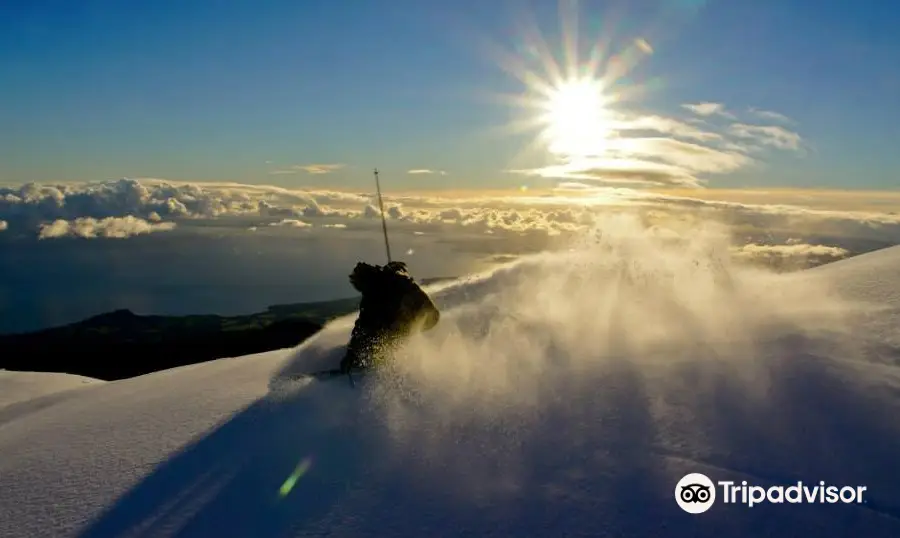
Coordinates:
<point>695,493</point>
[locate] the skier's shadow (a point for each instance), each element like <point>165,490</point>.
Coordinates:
<point>280,465</point>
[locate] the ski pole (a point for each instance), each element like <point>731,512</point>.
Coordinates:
<point>387,245</point>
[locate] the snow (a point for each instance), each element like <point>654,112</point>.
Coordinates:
<point>873,279</point>
<point>23,386</point>
<point>561,395</point>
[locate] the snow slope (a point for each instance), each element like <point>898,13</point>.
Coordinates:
<point>874,280</point>
<point>18,386</point>
<point>563,395</point>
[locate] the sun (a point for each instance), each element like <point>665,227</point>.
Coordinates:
<point>575,119</point>
<point>570,102</point>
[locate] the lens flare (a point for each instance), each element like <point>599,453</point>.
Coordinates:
<point>298,473</point>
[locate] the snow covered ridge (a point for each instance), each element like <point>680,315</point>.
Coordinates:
<point>23,386</point>
<point>560,395</point>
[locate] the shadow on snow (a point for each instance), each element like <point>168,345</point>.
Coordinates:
<point>598,459</point>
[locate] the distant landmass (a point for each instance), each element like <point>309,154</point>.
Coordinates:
<point>122,344</point>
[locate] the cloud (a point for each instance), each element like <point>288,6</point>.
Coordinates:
<point>792,249</point>
<point>31,205</point>
<point>663,125</point>
<point>315,169</point>
<point>573,186</point>
<point>291,223</point>
<point>766,214</point>
<point>424,171</point>
<point>625,171</point>
<point>771,116</point>
<point>708,109</point>
<point>685,155</point>
<point>321,168</point>
<point>110,228</point>
<point>471,220</point>
<point>314,209</point>
<point>770,135</point>
<point>790,256</point>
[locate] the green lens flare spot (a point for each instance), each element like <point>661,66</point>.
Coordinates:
<point>291,481</point>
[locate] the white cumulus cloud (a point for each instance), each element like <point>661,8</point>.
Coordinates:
<point>109,227</point>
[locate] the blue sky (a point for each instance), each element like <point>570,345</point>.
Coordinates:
<point>233,91</point>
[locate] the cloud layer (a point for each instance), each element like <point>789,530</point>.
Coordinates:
<point>766,225</point>
<point>32,206</point>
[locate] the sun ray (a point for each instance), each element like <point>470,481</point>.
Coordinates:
<point>595,58</point>
<point>568,16</point>
<point>622,64</point>
<point>512,64</point>
<point>535,39</point>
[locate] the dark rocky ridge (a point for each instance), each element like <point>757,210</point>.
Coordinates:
<point>121,344</point>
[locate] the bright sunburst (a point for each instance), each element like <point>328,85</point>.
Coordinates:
<point>571,104</point>
<point>575,120</point>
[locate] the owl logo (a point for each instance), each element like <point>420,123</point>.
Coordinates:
<point>695,493</point>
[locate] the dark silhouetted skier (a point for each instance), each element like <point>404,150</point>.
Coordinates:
<point>393,306</point>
